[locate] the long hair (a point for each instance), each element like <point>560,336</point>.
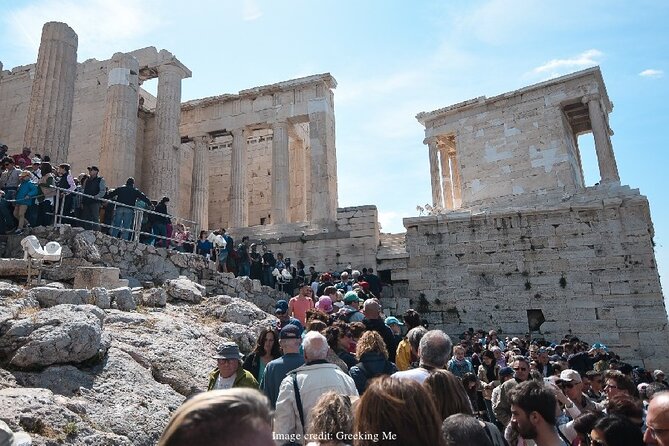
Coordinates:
<point>259,349</point>
<point>448,394</point>
<point>370,341</point>
<point>331,415</point>
<point>398,406</point>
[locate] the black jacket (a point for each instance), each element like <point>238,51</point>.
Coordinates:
<point>386,333</point>
<point>128,195</point>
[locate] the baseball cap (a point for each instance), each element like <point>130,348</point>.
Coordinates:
<point>290,331</point>
<point>569,375</point>
<point>506,371</point>
<point>94,168</point>
<point>281,307</point>
<point>351,297</point>
<point>390,320</point>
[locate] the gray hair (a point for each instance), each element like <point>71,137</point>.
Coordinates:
<point>236,417</point>
<point>435,348</point>
<point>315,346</point>
<point>464,429</point>
<point>355,273</point>
<point>415,335</point>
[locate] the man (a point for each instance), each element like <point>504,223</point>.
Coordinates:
<point>344,285</point>
<point>657,420</point>
<point>9,179</point>
<point>594,391</point>
<point>372,311</point>
<point>658,376</point>
<point>313,379</point>
<point>572,385</point>
<point>281,312</point>
<point>351,310</point>
<point>276,370</point>
<point>124,216</point>
<point>374,282</point>
<point>521,373</point>
<point>543,364</point>
<point>533,413</point>
<point>396,327</point>
<point>434,350</point>
<point>268,264</point>
<point>159,226</point>
<point>230,372</point>
<point>405,354</point>
<point>96,188</point>
<point>234,417</point>
<point>244,261</point>
<point>505,374</point>
<point>23,159</point>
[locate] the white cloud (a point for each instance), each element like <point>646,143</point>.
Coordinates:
<point>103,26</point>
<point>652,73</point>
<point>557,67</point>
<point>391,221</point>
<point>251,11</point>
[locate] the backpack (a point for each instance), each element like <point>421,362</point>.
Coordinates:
<point>387,370</point>
<point>347,314</point>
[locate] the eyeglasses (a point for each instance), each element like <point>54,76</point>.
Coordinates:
<point>656,432</point>
<point>610,386</point>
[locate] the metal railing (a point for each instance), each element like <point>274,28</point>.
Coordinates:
<point>136,230</point>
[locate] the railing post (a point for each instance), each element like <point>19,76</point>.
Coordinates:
<point>137,225</point>
<point>55,209</point>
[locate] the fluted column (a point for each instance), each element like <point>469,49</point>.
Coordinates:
<point>239,210</point>
<point>437,199</point>
<point>200,189</point>
<point>165,180</point>
<point>455,172</point>
<point>608,169</point>
<point>52,96</point>
<point>280,173</point>
<point>119,131</point>
<point>446,178</point>
<point>323,164</point>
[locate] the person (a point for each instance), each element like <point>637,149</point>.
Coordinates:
<point>533,413</point>
<point>400,408</point>
<point>124,215</point>
<point>218,246</point>
<point>395,326</point>
<point>351,310</point>
<point>618,383</point>
<point>571,384</point>
<point>502,407</point>
<point>471,385</point>
<point>373,321</point>
<point>298,305</point>
<point>268,265</point>
<point>281,313</point>
<point>614,430</point>
<point>405,355</point>
<point>657,420</point>
<point>181,236</point>
<point>256,263</point>
<point>331,420</point>
<point>339,339</point>
<point>23,159</point>
<point>231,417</point>
<point>301,389</point>
<point>66,181</point>
<point>460,429</point>
<point>46,195</point>
<point>658,376</point>
<point>433,352</point>
<point>203,245</point>
<point>276,370</point>
<point>95,187</point>
<point>244,259</point>
<point>324,304</point>
<point>9,179</point>
<point>159,228</point>
<point>372,358</point>
<point>266,350</point>
<point>458,364</point>
<point>229,373</point>
<point>25,197</point>
<point>488,375</point>
<point>448,393</point>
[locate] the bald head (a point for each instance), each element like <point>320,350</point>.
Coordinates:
<point>657,420</point>
<point>371,308</point>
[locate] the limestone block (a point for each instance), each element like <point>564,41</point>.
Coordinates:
<point>91,277</point>
<point>123,299</point>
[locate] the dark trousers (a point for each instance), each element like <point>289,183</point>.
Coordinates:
<point>91,213</point>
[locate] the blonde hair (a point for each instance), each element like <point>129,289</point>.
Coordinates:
<point>331,415</point>
<point>370,341</point>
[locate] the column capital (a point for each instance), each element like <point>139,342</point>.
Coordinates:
<point>202,139</point>
<point>239,132</point>
<point>590,98</point>
<point>430,140</point>
<point>172,69</point>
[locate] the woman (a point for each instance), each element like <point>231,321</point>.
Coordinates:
<point>471,385</point>
<point>339,339</point>
<point>614,430</point>
<point>266,350</point>
<point>401,407</point>
<point>450,398</point>
<point>331,419</point>
<point>47,193</point>
<point>180,236</point>
<point>488,375</point>
<point>372,358</point>
<point>204,246</point>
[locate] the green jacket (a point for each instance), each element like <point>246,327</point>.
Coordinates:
<point>244,378</point>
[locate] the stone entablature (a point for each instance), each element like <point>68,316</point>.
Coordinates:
<point>486,152</point>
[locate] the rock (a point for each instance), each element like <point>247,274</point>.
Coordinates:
<point>63,379</point>
<point>10,290</point>
<point>83,246</point>
<point>184,289</point>
<point>133,282</point>
<point>57,335</point>
<point>49,297</point>
<point>123,299</point>
<point>66,270</point>
<point>13,267</point>
<point>58,285</point>
<point>101,298</point>
<point>154,297</point>
<point>233,309</point>
<point>239,334</point>
<point>96,276</point>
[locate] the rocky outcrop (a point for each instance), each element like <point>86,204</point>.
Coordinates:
<point>183,289</point>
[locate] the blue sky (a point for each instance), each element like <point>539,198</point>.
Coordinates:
<point>393,59</point>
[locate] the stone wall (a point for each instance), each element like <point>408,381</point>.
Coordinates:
<point>588,264</point>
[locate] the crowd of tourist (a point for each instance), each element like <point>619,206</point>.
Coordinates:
<point>30,188</point>
<point>324,377</point>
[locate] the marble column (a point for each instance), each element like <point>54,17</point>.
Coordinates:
<point>435,182</point>
<point>165,156</point>
<point>608,169</point>
<point>239,210</point>
<point>455,173</point>
<point>280,173</point>
<point>446,177</point>
<point>119,130</point>
<point>323,166</point>
<point>200,188</point>
<point>49,120</point>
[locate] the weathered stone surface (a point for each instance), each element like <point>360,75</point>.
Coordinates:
<point>154,297</point>
<point>83,246</point>
<point>13,267</point>
<point>57,335</point>
<point>49,297</point>
<point>64,380</point>
<point>96,276</point>
<point>10,290</point>
<point>184,289</point>
<point>123,299</point>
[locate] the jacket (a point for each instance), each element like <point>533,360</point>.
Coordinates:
<point>313,380</point>
<point>483,379</point>
<point>371,364</point>
<point>502,407</point>
<point>244,378</point>
<point>252,364</point>
<point>26,193</point>
<point>128,195</point>
<point>403,355</point>
<point>386,333</point>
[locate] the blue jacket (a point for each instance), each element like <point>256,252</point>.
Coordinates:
<point>371,364</point>
<point>26,193</point>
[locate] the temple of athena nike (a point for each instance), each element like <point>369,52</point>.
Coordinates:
<point>514,239</point>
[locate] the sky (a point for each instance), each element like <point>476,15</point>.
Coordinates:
<point>393,59</point>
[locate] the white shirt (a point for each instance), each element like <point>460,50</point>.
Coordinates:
<point>418,374</point>
<point>225,383</point>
